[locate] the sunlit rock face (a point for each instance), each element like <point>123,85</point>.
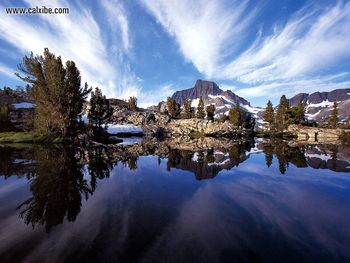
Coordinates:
<point>313,134</point>
<point>154,122</point>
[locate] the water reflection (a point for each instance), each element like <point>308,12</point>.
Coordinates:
<point>128,202</point>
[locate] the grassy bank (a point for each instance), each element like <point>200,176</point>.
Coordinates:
<point>27,137</point>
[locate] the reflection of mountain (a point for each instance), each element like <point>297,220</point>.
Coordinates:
<point>207,164</point>
<point>328,157</point>
<point>331,157</point>
<point>60,178</point>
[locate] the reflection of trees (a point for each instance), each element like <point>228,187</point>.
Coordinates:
<point>334,156</point>
<point>285,154</point>
<point>131,162</point>
<point>268,150</point>
<point>237,152</point>
<point>57,188</point>
<point>205,164</point>
<point>15,161</point>
<point>58,184</point>
<point>100,163</point>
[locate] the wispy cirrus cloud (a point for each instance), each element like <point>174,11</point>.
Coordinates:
<point>273,90</point>
<point>311,43</point>
<point>153,98</point>
<point>78,37</point>
<point>7,71</point>
<point>203,29</point>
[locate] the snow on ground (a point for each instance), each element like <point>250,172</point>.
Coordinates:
<point>23,161</point>
<point>311,116</point>
<point>23,105</point>
<point>195,157</point>
<point>219,164</point>
<point>221,97</point>
<point>130,141</point>
<point>251,109</point>
<point>194,103</point>
<point>324,103</point>
<point>118,128</point>
<point>323,157</point>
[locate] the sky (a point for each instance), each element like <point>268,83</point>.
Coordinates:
<point>151,48</point>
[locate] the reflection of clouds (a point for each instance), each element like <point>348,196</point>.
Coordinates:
<point>240,213</point>
<point>111,202</point>
<point>257,213</point>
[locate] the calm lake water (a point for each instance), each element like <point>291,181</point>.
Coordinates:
<point>154,202</point>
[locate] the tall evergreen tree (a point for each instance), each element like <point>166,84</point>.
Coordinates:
<point>132,103</point>
<point>200,109</point>
<point>234,116</point>
<point>210,112</point>
<point>334,119</point>
<point>5,122</point>
<point>100,112</point>
<point>187,110</point>
<point>72,103</point>
<point>348,122</point>
<point>173,107</point>
<point>269,115</point>
<point>56,91</point>
<point>296,114</point>
<point>282,114</point>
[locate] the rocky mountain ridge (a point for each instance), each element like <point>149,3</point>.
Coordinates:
<point>211,93</point>
<point>318,104</point>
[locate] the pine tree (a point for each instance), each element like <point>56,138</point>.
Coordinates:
<point>282,117</point>
<point>348,122</point>
<point>299,117</point>
<point>72,99</point>
<point>200,109</point>
<point>187,110</point>
<point>132,103</point>
<point>334,116</point>
<point>269,115</point>
<point>296,114</point>
<point>100,112</point>
<point>5,122</point>
<point>173,108</point>
<point>210,112</point>
<point>235,117</point>
<point>56,91</point>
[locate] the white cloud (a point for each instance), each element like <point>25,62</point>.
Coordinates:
<point>76,37</point>
<point>292,87</point>
<point>203,29</point>
<point>150,98</point>
<point>309,42</point>
<point>117,20</point>
<point>290,59</point>
<point>7,71</point>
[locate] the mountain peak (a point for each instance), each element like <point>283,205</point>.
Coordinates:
<point>202,88</point>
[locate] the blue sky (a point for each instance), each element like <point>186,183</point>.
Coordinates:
<point>151,48</point>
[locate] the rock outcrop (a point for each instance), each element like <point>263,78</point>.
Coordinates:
<point>154,123</point>
<point>313,134</point>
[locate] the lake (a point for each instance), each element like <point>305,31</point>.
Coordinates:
<point>173,201</point>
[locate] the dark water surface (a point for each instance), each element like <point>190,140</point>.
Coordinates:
<point>235,202</point>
